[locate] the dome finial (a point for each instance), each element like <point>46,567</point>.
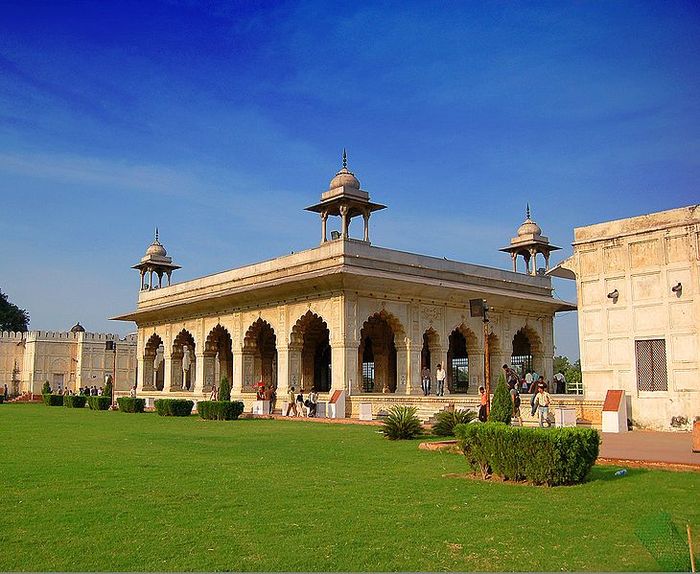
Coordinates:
<point>527,212</point>
<point>156,235</point>
<point>345,159</point>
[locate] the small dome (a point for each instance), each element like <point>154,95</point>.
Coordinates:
<point>344,177</point>
<point>156,248</point>
<point>529,227</point>
<point>77,328</point>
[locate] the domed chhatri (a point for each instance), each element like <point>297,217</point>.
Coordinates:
<point>77,328</point>
<point>345,199</point>
<point>528,242</point>
<point>155,262</point>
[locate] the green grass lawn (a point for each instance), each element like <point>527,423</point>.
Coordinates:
<point>86,490</point>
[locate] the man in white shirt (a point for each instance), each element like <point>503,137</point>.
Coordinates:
<point>440,376</point>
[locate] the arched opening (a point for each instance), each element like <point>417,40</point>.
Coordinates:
<point>183,362</point>
<point>311,338</point>
<point>431,346</point>
<point>218,357</point>
<point>377,354</point>
<point>154,364</point>
<point>259,356</point>
<point>463,344</point>
<point>526,354</point>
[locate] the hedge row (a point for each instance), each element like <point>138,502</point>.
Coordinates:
<point>220,410</point>
<point>99,403</point>
<point>542,456</point>
<point>174,407</point>
<point>131,405</point>
<point>74,401</point>
<point>53,400</point>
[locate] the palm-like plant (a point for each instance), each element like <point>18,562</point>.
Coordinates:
<point>446,421</point>
<point>402,423</point>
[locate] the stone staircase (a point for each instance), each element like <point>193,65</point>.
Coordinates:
<point>26,398</point>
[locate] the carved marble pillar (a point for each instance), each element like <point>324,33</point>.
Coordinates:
<point>344,221</point>
<point>282,374</point>
<point>365,216</point>
<point>344,375</point>
<point>167,375</point>
<point>142,373</point>
<point>197,386</point>
<point>413,384</point>
<point>403,358</point>
<point>324,220</point>
<point>237,382</point>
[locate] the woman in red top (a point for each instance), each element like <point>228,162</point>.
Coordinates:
<point>484,402</point>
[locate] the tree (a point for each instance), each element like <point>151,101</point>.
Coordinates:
<point>12,318</point>
<point>561,364</point>
<point>502,404</point>
<point>224,390</point>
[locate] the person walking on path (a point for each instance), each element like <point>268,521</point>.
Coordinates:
<point>273,399</point>
<point>291,403</point>
<point>425,380</point>
<point>542,402</point>
<point>313,402</point>
<point>515,398</point>
<point>484,401</point>
<point>300,403</point>
<point>440,376</point>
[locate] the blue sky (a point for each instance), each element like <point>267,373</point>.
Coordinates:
<point>219,122</point>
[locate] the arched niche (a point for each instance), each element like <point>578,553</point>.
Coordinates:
<point>218,357</point>
<point>377,353</point>
<point>259,356</point>
<point>154,363</point>
<point>310,342</point>
<point>183,362</point>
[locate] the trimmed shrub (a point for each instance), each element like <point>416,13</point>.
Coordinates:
<point>46,388</point>
<point>53,400</point>
<point>224,390</point>
<point>131,404</point>
<point>220,410</point>
<point>542,456</point>
<point>74,401</point>
<point>446,421</point>
<point>401,423</point>
<point>99,403</point>
<point>502,404</point>
<point>174,407</point>
<point>107,391</point>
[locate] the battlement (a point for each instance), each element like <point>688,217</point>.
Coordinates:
<point>12,336</point>
<point>64,336</point>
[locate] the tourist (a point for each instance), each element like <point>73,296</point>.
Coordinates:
<point>440,376</point>
<point>300,403</point>
<point>313,402</point>
<point>542,402</point>
<point>213,396</point>
<point>5,393</point>
<point>260,394</point>
<point>425,380</point>
<point>559,383</point>
<point>99,392</point>
<point>291,404</point>
<point>528,382</point>
<point>515,398</point>
<point>484,401</point>
<point>273,399</point>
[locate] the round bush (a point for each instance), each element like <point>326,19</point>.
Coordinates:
<point>446,421</point>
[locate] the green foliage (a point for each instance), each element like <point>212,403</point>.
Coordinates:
<point>131,404</point>
<point>12,318</point>
<point>560,364</point>
<point>107,390</point>
<point>100,403</point>
<point>447,420</point>
<point>219,410</point>
<point>502,404</point>
<point>53,400</point>
<point>661,538</point>
<point>542,456</point>
<point>174,407</point>
<point>74,401</point>
<point>224,389</point>
<point>402,423</point>
<point>45,388</point>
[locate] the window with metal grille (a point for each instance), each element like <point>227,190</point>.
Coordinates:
<point>651,365</point>
<point>368,377</point>
<point>460,375</point>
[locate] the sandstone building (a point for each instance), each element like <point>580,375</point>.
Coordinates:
<point>67,360</point>
<point>637,281</point>
<point>345,315</point>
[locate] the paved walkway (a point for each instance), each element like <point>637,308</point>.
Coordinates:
<point>650,446</point>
